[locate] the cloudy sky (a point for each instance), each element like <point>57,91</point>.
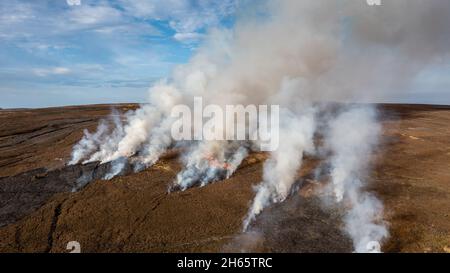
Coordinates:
<point>68,52</point>
<point>62,52</point>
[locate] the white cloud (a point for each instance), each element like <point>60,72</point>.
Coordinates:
<point>61,70</point>
<point>32,21</point>
<point>73,2</point>
<point>15,12</point>
<point>155,9</point>
<point>36,46</point>
<point>186,18</point>
<point>188,36</point>
<point>95,15</point>
<point>118,38</point>
<point>44,72</point>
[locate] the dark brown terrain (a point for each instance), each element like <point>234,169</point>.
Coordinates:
<point>44,204</point>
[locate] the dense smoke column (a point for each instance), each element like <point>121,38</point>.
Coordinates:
<point>280,170</point>
<point>352,137</point>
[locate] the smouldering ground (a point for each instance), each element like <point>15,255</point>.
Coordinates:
<point>39,213</point>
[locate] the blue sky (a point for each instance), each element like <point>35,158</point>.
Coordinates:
<point>69,52</point>
<point>65,52</point>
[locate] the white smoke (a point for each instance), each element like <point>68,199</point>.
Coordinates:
<point>296,54</point>
<point>210,161</point>
<point>236,160</point>
<point>280,171</point>
<point>97,144</point>
<point>108,142</point>
<point>116,168</point>
<point>88,144</point>
<point>351,138</point>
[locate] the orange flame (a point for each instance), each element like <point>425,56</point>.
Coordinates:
<point>213,162</point>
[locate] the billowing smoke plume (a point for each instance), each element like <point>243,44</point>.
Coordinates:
<point>295,54</point>
<point>280,170</point>
<point>92,145</point>
<point>351,138</point>
<point>209,162</point>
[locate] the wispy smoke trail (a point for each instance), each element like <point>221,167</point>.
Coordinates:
<point>351,138</point>
<point>197,164</point>
<point>210,161</point>
<point>95,145</point>
<point>236,160</point>
<point>280,171</point>
<point>88,144</point>
<point>116,167</point>
<point>108,142</point>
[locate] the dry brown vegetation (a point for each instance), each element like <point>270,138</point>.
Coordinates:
<point>39,213</point>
